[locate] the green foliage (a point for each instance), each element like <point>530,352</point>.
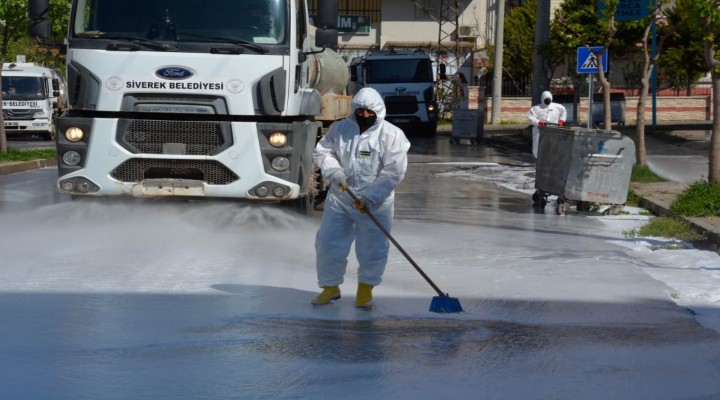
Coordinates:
<point>13,14</point>
<point>632,198</point>
<point>701,199</point>
<point>519,40</point>
<point>682,62</point>
<point>667,228</point>
<point>643,174</point>
<point>632,74</point>
<point>59,14</point>
<point>27,155</point>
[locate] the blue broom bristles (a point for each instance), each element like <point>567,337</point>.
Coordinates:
<point>445,304</point>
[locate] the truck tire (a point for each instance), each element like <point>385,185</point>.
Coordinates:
<point>429,130</point>
<point>312,203</point>
<point>48,135</point>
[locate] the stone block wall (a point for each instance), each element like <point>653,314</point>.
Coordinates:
<point>668,108</point>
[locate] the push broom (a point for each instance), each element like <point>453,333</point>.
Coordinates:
<point>442,303</point>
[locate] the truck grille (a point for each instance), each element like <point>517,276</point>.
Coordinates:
<point>208,171</point>
<point>19,114</point>
<point>401,105</point>
<point>193,137</point>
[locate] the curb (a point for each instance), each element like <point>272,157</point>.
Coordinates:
<point>657,197</point>
<point>21,166</point>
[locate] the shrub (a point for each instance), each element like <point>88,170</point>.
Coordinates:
<point>701,199</point>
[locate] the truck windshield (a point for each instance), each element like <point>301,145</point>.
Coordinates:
<point>399,71</point>
<point>254,21</point>
<point>22,88</point>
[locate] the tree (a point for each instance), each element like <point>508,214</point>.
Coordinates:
<point>13,13</point>
<point>14,40</point>
<point>519,41</point>
<point>647,69</point>
<point>708,13</point>
<point>683,62</point>
<point>582,27</point>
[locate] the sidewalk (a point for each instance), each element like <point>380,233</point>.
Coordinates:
<point>21,166</point>
<point>683,164</point>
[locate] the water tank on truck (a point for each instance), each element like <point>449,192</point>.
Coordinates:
<point>329,75</point>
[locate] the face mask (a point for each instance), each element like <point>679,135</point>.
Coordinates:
<point>366,122</point>
<point>547,102</point>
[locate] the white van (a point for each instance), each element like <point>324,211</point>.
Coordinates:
<point>32,96</point>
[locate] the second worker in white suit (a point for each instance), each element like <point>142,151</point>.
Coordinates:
<point>542,114</point>
<point>369,155</point>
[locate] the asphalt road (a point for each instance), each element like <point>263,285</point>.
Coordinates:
<point>126,299</point>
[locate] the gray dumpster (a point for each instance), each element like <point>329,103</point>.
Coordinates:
<point>467,124</point>
<point>583,166</point>
<point>566,100</point>
<point>617,108</point>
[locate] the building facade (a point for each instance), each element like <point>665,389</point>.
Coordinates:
<point>429,25</point>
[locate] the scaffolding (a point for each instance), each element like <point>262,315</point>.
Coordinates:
<point>449,55</point>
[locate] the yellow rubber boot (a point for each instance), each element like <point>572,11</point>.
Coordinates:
<point>363,299</point>
<point>328,294</point>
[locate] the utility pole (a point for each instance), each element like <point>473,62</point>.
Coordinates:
<point>542,33</point>
<point>497,69</point>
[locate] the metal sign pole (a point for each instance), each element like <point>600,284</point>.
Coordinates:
<point>591,77</point>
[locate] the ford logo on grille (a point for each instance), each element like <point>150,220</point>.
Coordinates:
<point>400,89</point>
<point>174,72</point>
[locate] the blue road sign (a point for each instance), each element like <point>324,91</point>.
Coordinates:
<point>627,10</point>
<point>587,61</point>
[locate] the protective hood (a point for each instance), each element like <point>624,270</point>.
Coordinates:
<point>369,98</point>
<point>545,95</point>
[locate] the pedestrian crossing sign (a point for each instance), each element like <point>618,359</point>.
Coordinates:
<point>587,60</point>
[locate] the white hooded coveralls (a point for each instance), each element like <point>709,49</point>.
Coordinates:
<point>374,163</point>
<point>552,113</point>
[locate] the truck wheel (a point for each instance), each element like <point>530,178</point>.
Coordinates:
<point>313,202</point>
<point>304,205</point>
<point>429,130</point>
<point>49,135</point>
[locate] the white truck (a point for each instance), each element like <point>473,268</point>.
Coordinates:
<point>406,82</point>
<point>31,99</point>
<point>221,99</point>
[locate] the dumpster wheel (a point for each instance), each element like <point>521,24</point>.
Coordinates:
<point>584,206</point>
<point>540,197</point>
<point>562,207</point>
<point>613,209</point>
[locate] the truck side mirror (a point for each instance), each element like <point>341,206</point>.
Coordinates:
<point>353,73</point>
<point>443,71</point>
<point>38,25</point>
<point>326,38</point>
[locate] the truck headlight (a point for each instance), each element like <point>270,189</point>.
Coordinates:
<point>71,157</point>
<point>280,163</point>
<point>277,139</point>
<point>74,134</point>
<point>39,114</point>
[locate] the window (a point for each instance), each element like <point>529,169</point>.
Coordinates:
<point>353,7</point>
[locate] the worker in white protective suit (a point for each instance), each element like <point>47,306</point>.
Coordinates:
<point>368,155</point>
<point>545,113</point>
